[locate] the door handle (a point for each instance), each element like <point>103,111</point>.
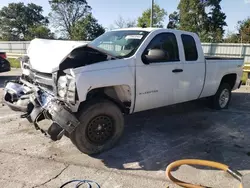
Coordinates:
<point>177,70</point>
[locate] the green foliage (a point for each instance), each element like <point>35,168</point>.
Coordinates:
<point>16,19</point>
<point>66,14</point>
<point>39,32</point>
<point>232,38</point>
<point>174,20</point>
<point>14,63</point>
<point>122,23</point>
<point>86,29</point>
<point>216,21</point>
<point>244,30</point>
<point>242,35</point>
<point>158,17</point>
<point>244,77</point>
<point>194,18</point>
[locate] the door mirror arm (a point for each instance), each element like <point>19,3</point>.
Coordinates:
<point>145,60</point>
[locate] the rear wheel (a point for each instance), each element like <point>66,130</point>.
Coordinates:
<point>222,97</point>
<point>101,127</point>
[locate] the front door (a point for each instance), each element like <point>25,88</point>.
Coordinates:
<point>156,82</point>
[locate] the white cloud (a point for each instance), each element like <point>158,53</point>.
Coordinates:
<point>247,1</point>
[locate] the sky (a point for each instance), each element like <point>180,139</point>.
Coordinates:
<point>107,11</point>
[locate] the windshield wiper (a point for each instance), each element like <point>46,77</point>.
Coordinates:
<point>119,57</point>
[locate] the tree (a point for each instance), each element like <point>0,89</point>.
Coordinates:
<point>174,20</point>
<point>16,19</point>
<point>216,21</point>
<point>232,38</point>
<point>193,17</point>
<point>86,29</point>
<point>66,13</point>
<point>158,17</point>
<point>110,28</point>
<point>39,32</point>
<point>243,33</point>
<point>244,30</point>
<point>122,23</point>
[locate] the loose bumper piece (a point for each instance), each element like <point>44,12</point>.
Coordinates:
<point>39,105</point>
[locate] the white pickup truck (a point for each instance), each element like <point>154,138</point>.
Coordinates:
<point>86,88</point>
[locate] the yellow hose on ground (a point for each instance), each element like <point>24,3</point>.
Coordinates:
<point>194,162</point>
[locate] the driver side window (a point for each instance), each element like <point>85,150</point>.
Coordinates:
<point>166,42</point>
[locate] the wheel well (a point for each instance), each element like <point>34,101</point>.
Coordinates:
<point>230,79</point>
<point>120,95</point>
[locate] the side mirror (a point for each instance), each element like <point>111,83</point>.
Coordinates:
<point>155,55</point>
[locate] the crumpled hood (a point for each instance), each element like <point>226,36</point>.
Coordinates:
<point>46,55</point>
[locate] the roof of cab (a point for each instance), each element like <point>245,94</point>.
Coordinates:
<point>155,29</point>
<point>151,29</point>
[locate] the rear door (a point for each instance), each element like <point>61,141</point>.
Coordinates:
<point>192,79</point>
<point>156,82</point>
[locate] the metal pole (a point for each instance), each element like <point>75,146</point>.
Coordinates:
<point>152,14</point>
<point>241,41</point>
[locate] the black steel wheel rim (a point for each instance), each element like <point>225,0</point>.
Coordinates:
<point>100,129</point>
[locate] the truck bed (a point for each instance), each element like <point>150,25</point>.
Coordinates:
<point>216,68</point>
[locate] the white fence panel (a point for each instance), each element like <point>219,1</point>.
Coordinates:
<point>14,46</point>
<point>211,49</point>
<point>227,50</point>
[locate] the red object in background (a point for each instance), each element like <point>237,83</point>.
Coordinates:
<point>3,55</point>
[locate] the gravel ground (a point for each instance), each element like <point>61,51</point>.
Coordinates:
<point>151,141</point>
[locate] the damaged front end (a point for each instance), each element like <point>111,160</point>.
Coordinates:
<point>37,105</point>
<point>47,87</point>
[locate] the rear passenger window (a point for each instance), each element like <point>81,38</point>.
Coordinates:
<point>190,49</point>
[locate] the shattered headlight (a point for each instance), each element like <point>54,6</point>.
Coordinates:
<point>62,86</point>
<point>66,88</point>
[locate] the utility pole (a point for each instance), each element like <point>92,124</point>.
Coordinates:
<point>241,41</point>
<point>152,14</point>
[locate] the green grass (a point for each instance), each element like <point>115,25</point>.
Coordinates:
<point>244,78</point>
<point>14,63</point>
<point>245,72</point>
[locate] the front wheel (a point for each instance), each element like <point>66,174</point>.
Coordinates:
<point>101,126</point>
<point>222,97</point>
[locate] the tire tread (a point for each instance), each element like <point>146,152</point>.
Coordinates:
<point>89,110</point>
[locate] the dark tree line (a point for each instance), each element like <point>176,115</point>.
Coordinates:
<point>191,15</point>
<point>204,17</point>
<point>71,18</point>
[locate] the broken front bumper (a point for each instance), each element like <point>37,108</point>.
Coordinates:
<point>38,105</point>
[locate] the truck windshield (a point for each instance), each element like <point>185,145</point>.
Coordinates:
<point>119,44</point>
